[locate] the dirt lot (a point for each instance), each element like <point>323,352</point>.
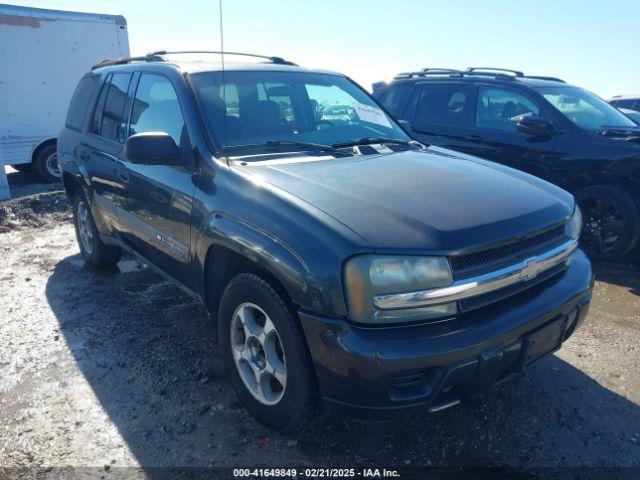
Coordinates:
<point>117,369</point>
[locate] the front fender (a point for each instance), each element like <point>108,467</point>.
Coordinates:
<point>267,251</point>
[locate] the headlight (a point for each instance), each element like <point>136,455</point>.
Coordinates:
<point>573,227</point>
<point>369,275</point>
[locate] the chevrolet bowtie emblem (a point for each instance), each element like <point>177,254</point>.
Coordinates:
<point>531,270</point>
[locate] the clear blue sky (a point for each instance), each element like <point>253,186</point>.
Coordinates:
<point>590,43</point>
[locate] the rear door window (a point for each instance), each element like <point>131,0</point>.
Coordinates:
<point>80,101</point>
<point>114,122</point>
<point>443,104</point>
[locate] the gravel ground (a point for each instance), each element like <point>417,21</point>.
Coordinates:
<point>118,369</point>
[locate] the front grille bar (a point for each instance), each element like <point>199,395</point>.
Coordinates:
<point>470,287</point>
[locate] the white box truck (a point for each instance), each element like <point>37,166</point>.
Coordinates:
<point>43,54</point>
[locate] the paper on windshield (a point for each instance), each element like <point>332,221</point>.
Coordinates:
<point>368,113</point>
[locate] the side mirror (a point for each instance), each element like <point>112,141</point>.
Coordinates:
<point>535,127</point>
<point>406,125</point>
<point>152,148</point>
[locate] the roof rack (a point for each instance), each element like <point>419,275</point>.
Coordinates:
<point>124,60</point>
<point>429,71</point>
<point>158,56</point>
<point>503,73</point>
<point>496,71</point>
<point>541,77</point>
<point>272,59</point>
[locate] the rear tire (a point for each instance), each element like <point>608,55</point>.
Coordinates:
<point>266,355</point>
<point>611,222</point>
<point>95,253</point>
<point>46,166</point>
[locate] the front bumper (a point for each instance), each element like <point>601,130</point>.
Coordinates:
<point>369,372</point>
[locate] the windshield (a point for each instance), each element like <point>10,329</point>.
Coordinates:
<point>255,107</point>
<point>585,109</point>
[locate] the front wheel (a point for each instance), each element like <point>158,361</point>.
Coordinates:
<point>95,253</point>
<point>611,222</point>
<point>266,356</point>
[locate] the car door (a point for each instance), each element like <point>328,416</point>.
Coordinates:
<point>439,114</point>
<point>103,145</point>
<point>497,112</point>
<point>156,204</point>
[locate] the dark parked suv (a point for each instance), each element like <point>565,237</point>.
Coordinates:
<point>344,264</point>
<point>540,125</point>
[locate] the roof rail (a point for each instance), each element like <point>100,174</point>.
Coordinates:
<point>429,71</point>
<point>272,59</point>
<point>488,70</point>
<point>481,71</point>
<point>124,60</point>
<point>441,71</point>
<point>159,57</point>
<point>541,77</point>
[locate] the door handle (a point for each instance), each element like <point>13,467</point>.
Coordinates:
<point>474,138</point>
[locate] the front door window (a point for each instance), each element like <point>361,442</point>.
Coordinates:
<point>501,109</point>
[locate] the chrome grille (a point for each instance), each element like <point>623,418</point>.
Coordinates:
<point>502,293</point>
<point>468,264</point>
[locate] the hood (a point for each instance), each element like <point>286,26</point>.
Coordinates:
<point>420,201</point>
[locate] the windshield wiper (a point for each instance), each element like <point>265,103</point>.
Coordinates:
<point>619,131</point>
<point>285,143</point>
<point>373,140</point>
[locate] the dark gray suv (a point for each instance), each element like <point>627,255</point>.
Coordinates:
<point>346,265</point>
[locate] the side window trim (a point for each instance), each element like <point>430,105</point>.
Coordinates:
<point>541,106</point>
<point>99,105</point>
<point>412,104</point>
<point>133,88</point>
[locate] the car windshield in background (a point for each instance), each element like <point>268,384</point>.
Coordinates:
<point>585,109</point>
<point>263,108</point>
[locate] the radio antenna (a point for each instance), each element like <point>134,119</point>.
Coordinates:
<point>221,33</point>
<point>224,84</point>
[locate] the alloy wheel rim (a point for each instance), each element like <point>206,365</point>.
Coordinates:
<point>84,228</point>
<point>258,354</point>
<point>603,225</point>
<point>52,166</point>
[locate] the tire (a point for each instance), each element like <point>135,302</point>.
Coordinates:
<point>294,407</point>
<point>611,222</point>
<point>23,167</point>
<point>45,164</point>
<point>95,253</point>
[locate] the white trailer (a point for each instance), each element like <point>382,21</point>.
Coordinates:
<point>43,54</point>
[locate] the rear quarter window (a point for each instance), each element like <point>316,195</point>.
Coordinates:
<point>395,97</point>
<point>81,101</point>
